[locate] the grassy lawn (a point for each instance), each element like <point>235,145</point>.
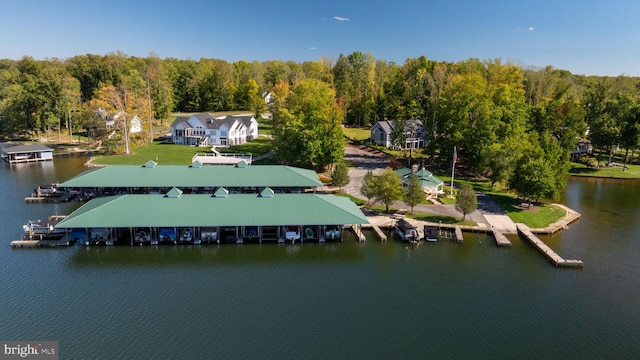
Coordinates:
<point>536,217</point>
<point>265,126</point>
<point>440,219</point>
<point>170,154</point>
<point>259,146</point>
<point>357,134</point>
<point>632,172</point>
<point>164,154</point>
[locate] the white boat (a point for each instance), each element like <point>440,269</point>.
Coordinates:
<point>292,233</point>
<point>37,227</point>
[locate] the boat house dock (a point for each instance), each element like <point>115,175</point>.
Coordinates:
<point>26,153</point>
<point>221,218</point>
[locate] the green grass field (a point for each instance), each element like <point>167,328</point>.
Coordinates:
<point>535,217</point>
<point>356,134</point>
<point>171,154</point>
<point>632,171</point>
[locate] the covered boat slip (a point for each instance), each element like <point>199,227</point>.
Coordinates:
<point>220,218</point>
<point>152,178</point>
<point>26,153</point>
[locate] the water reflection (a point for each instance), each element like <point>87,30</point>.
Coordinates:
<point>213,255</point>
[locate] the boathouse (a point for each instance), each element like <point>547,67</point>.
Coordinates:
<point>152,178</point>
<point>27,153</point>
<point>222,217</point>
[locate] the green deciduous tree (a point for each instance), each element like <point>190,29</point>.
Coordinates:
<point>534,178</point>
<point>466,200</point>
<point>340,175</point>
<point>307,125</point>
<point>388,187</point>
<point>368,188</point>
<point>413,194</point>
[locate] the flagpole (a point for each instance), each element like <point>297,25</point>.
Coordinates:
<point>453,168</point>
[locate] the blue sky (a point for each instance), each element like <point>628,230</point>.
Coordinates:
<point>585,37</point>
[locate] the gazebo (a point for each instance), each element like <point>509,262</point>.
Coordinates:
<point>430,184</point>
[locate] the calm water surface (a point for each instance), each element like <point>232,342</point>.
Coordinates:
<point>347,300</point>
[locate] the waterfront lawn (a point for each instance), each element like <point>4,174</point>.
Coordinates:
<point>538,216</point>
<point>164,154</point>
<point>259,146</point>
<point>172,154</point>
<point>632,171</point>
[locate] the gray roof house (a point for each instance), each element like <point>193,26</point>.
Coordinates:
<point>381,134</point>
<point>206,130</point>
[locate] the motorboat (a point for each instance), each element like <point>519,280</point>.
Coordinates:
<point>332,232</point>
<point>406,232</point>
<point>186,235</point>
<point>292,233</point>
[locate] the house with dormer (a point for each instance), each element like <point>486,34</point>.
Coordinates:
<point>383,131</point>
<point>206,130</point>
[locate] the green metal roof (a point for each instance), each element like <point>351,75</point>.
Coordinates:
<point>206,210</point>
<point>150,175</point>
<point>425,176</point>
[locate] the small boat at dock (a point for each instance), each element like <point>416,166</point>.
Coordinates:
<point>406,232</point>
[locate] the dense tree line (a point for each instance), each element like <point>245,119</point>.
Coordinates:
<point>509,123</point>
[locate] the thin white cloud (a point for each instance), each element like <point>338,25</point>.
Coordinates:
<point>312,48</point>
<point>340,18</point>
<point>531,28</point>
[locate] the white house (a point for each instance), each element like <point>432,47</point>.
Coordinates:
<point>205,130</point>
<point>381,134</point>
<point>135,125</point>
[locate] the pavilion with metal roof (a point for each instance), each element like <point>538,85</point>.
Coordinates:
<point>219,217</point>
<point>196,178</point>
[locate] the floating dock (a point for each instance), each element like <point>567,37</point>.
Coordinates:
<point>41,243</point>
<point>556,259</point>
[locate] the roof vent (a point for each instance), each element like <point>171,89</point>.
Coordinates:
<point>266,193</point>
<point>221,193</point>
<point>150,164</point>
<point>173,193</point>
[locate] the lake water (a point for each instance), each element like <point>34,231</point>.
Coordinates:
<point>345,300</point>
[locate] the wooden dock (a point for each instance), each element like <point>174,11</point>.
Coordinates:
<point>556,259</point>
<point>357,229</point>
<point>381,234</point>
<point>458,231</point>
<point>41,243</point>
<point>501,239</point>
